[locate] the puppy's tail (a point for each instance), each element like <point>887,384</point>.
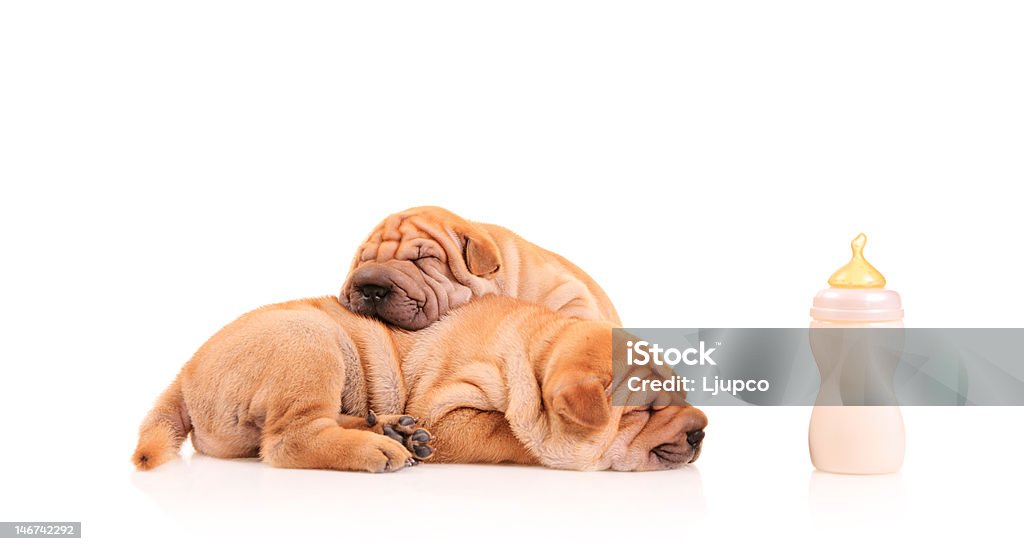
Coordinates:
<point>163,430</point>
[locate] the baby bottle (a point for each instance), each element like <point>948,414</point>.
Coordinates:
<point>856,337</point>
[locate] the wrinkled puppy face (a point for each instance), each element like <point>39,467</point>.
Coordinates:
<point>417,265</point>
<point>656,438</point>
<point>651,432</point>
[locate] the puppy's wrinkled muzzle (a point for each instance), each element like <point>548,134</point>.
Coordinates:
<point>393,292</point>
<point>681,431</point>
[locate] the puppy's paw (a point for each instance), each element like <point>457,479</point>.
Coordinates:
<point>380,454</point>
<point>404,430</point>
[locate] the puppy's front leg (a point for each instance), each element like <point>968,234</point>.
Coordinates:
<point>319,442</point>
<point>470,435</point>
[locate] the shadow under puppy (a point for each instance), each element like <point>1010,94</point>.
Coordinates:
<point>497,380</point>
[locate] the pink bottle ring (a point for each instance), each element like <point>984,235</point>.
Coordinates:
<point>871,304</point>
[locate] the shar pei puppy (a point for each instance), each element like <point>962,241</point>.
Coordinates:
<point>419,264</point>
<point>309,384</point>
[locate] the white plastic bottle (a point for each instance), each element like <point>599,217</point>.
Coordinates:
<point>856,439</point>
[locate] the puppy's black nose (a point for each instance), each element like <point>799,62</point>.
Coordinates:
<point>373,292</point>
<point>695,437</point>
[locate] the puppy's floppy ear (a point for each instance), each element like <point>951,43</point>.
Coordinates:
<point>482,257</point>
<point>583,402</point>
<point>480,252</point>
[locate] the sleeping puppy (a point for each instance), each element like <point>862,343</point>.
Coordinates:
<point>420,263</point>
<point>294,384</point>
<point>503,381</point>
<point>309,384</point>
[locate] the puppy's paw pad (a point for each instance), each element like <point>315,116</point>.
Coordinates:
<point>420,436</point>
<point>422,451</point>
<point>416,440</point>
<point>390,432</point>
<point>404,430</point>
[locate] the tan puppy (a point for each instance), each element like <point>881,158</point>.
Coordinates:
<point>420,263</point>
<point>278,383</point>
<point>498,380</point>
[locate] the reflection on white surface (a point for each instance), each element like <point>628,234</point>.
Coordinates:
<point>212,495</point>
<point>843,498</point>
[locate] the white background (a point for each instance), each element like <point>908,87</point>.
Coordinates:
<point>165,168</point>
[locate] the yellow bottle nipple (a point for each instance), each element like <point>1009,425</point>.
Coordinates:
<point>858,272</point>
